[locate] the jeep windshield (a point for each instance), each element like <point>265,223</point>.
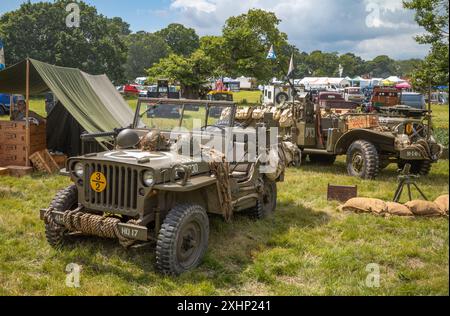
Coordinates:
<point>168,114</point>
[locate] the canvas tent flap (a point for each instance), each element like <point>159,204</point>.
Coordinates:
<point>91,100</point>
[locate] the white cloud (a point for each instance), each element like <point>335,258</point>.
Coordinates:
<point>370,27</point>
<point>200,5</point>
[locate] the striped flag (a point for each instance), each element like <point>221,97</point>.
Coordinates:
<point>2,56</point>
<point>291,67</point>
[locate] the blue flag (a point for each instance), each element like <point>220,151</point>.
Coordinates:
<point>2,56</point>
<point>272,55</point>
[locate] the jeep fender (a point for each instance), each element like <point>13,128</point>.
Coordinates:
<point>384,142</point>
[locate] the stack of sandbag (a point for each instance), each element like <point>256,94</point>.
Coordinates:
<point>414,208</point>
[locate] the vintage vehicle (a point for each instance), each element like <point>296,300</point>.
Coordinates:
<point>414,100</point>
<point>219,96</point>
<point>370,143</point>
<point>149,189</point>
<point>336,101</point>
<point>385,97</point>
<point>132,89</point>
<point>354,94</point>
<point>162,90</point>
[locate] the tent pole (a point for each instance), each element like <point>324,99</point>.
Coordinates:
<point>11,106</point>
<point>27,124</point>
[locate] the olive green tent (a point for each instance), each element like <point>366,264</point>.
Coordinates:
<point>92,100</point>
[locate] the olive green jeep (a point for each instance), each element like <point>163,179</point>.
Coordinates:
<point>158,185</point>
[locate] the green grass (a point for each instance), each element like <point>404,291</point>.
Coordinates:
<point>307,248</point>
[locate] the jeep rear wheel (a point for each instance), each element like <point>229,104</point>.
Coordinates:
<point>421,167</point>
<point>182,240</point>
<point>65,200</point>
<point>363,160</point>
<point>322,159</point>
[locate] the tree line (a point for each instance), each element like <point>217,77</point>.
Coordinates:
<point>107,45</point>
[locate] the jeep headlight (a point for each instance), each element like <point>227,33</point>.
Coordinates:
<point>148,178</point>
<point>79,170</point>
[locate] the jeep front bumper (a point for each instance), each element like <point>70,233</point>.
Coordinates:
<point>128,231</point>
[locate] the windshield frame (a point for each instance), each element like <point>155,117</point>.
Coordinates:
<point>183,102</point>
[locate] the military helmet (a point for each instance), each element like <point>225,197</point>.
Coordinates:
<point>127,139</point>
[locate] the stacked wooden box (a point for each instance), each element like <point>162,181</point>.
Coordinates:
<point>13,142</point>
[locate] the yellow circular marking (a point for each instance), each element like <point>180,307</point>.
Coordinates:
<point>98,182</point>
<point>409,129</point>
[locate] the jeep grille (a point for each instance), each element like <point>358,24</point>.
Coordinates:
<point>121,188</point>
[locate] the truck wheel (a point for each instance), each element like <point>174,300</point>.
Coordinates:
<point>322,159</point>
<point>2,110</point>
<point>268,202</point>
<point>363,160</point>
<point>182,240</point>
<point>420,167</point>
<point>64,200</point>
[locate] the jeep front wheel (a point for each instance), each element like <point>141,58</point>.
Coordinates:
<point>65,200</point>
<point>363,160</point>
<point>182,240</point>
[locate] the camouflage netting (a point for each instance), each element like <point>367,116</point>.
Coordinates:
<point>417,208</point>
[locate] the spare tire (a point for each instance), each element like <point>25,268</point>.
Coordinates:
<point>281,97</point>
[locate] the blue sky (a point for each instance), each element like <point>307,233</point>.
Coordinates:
<point>365,27</point>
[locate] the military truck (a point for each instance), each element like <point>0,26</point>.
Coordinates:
<point>149,189</point>
<point>326,131</point>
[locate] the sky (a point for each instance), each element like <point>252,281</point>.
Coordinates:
<point>367,28</point>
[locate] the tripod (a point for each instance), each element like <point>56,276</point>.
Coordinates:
<point>408,180</point>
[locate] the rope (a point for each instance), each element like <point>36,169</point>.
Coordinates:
<point>90,224</point>
<point>221,170</point>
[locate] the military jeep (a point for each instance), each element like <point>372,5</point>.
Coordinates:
<point>329,129</point>
<point>149,189</point>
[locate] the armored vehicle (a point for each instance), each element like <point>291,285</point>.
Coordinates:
<point>330,129</point>
<point>159,184</point>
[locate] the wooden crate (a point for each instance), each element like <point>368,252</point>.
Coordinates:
<point>60,160</point>
<point>20,127</point>
<point>19,171</point>
<point>4,171</point>
<point>362,121</point>
<point>13,142</point>
<point>44,162</point>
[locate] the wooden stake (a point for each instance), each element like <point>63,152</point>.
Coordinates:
<point>27,124</point>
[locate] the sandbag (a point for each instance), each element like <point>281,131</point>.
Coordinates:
<point>225,114</point>
<point>244,114</point>
<point>442,203</point>
<point>398,209</point>
<point>291,153</point>
<point>365,205</point>
<point>424,208</point>
<point>286,119</point>
<point>258,114</point>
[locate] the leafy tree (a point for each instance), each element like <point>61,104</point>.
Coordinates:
<point>191,72</point>
<point>215,47</point>
<point>408,66</point>
<point>382,67</point>
<point>248,38</point>
<point>182,41</point>
<point>144,50</point>
<point>323,64</point>
<point>433,16</point>
<point>353,65</point>
<point>38,30</point>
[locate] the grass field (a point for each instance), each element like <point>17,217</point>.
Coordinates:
<point>307,248</point>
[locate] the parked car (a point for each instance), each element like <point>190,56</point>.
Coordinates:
<point>414,100</point>
<point>132,89</point>
<point>354,94</point>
